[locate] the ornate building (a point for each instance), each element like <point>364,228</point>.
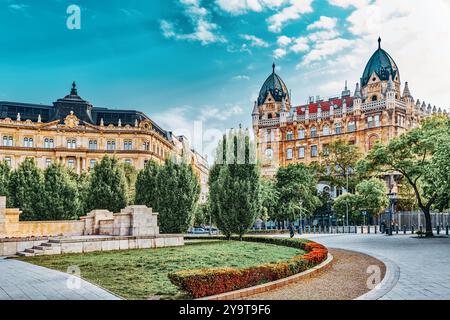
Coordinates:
<point>376,111</point>
<point>74,132</point>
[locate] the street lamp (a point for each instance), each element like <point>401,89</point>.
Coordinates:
<point>392,197</point>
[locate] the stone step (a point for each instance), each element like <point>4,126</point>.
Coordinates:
<point>41,247</point>
<point>36,252</point>
<point>54,241</point>
<point>25,254</point>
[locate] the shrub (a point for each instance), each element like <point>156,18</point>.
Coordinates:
<point>207,282</point>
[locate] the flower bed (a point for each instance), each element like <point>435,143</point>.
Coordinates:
<point>207,282</point>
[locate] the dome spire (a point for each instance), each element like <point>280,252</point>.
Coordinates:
<point>379,42</point>
<point>273,67</point>
<point>73,91</point>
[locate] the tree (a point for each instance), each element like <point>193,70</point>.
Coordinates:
<point>422,156</point>
<point>372,196</point>
<point>27,189</point>
<point>178,192</point>
<point>324,211</point>
<point>60,197</point>
<point>146,190</point>
<point>269,200</point>
<point>201,214</point>
<point>131,176</point>
<point>81,181</point>
<point>340,159</point>
<point>107,186</point>
<point>297,189</point>
<point>5,174</point>
<point>235,184</point>
<point>348,202</point>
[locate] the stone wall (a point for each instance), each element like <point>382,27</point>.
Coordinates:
<point>134,221</point>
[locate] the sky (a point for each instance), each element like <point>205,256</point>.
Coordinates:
<point>196,66</point>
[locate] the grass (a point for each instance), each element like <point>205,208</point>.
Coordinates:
<point>142,274</point>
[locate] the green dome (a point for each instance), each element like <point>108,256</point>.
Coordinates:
<point>382,64</point>
<point>275,85</point>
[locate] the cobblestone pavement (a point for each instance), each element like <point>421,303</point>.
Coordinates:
<point>424,263</point>
<point>24,281</point>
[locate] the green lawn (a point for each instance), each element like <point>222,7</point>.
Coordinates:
<point>140,274</point>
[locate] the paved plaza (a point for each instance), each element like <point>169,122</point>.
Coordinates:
<point>23,281</point>
<point>423,264</point>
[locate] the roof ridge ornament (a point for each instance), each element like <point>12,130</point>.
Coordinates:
<point>74,91</point>
<point>379,42</point>
<point>273,67</point>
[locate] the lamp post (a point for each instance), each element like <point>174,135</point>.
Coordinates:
<point>392,196</point>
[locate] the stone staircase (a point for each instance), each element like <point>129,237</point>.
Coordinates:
<point>50,247</point>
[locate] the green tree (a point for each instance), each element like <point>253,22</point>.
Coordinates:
<point>81,182</point>
<point>201,214</point>
<point>131,177</point>
<point>235,184</point>
<point>146,191</point>
<point>178,192</point>
<point>27,189</point>
<point>107,186</point>
<point>347,201</point>
<point>324,211</point>
<point>5,174</point>
<point>297,189</point>
<point>372,196</point>
<point>422,156</point>
<point>269,200</point>
<point>340,159</point>
<point>60,197</point>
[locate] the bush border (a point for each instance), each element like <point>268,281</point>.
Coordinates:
<point>200,283</point>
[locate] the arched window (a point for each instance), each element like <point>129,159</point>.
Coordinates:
<point>289,135</point>
<point>374,98</point>
<point>92,144</point>
<point>289,154</point>
<point>351,127</point>
<point>269,154</point>
<point>313,132</point>
<point>269,116</point>
<point>301,133</point>
<point>326,130</point>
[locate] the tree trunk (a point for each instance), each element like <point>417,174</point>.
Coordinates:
<point>428,226</point>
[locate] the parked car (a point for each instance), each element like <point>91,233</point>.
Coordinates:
<point>212,230</point>
<point>198,231</point>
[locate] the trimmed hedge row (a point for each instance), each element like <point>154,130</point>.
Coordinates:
<point>208,282</point>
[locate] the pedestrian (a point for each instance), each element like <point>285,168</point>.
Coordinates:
<point>292,230</point>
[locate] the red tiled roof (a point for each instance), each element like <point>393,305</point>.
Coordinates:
<point>325,105</point>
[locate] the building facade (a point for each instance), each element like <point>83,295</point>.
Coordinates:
<point>74,132</point>
<point>377,110</point>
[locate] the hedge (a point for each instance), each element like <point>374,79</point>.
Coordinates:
<point>208,282</point>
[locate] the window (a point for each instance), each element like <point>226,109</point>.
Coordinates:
<point>71,163</point>
<point>146,146</point>
<point>374,98</point>
<point>128,161</point>
<point>92,163</point>
<point>290,136</point>
<point>48,162</point>
<point>71,144</point>
<point>269,154</point>
<point>127,145</point>
<point>289,154</point>
<point>301,133</point>
<point>370,123</point>
<point>377,121</point>
<point>351,126</point>
<point>111,145</point>
<point>28,142</point>
<point>270,136</point>
<point>93,144</point>
<point>338,128</point>
<point>326,130</point>
<point>326,150</point>
<point>8,141</point>
<point>8,161</point>
<point>338,192</point>
<point>49,143</point>
<point>314,152</point>
<point>301,152</point>
<point>313,132</point>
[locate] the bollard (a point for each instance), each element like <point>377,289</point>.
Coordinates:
<point>309,229</point>
<point>314,229</point>
<point>376,229</point>
<point>412,229</point>
<point>404,229</point>
<point>438,230</point>
<point>396,229</point>
<point>446,230</point>
<point>368,229</point>
<point>362,230</point>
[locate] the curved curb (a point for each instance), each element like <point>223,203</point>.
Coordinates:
<point>389,281</point>
<point>238,294</point>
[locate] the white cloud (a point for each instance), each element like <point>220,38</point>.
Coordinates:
<point>204,29</point>
<point>300,45</point>
<point>279,53</point>
<point>237,7</point>
<point>17,6</point>
<point>323,23</point>
<point>349,3</point>
<point>221,114</point>
<point>326,48</point>
<point>255,41</point>
<point>241,77</point>
<point>292,12</point>
<point>283,41</point>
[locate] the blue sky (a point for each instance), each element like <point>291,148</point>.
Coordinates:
<point>186,60</point>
